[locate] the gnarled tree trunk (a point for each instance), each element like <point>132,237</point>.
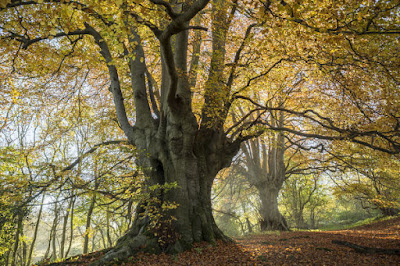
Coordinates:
<point>192,164</point>
<point>173,146</point>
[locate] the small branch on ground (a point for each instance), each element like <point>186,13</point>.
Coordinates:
<point>368,250</point>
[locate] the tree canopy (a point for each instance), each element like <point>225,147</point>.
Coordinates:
<point>181,85</point>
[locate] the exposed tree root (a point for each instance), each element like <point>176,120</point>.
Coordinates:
<point>126,249</point>
<point>272,224</point>
<point>134,242</point>
<point>368,250</point>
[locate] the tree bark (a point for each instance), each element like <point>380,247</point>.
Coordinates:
<point>71,233</point>
<point>249,226</point>
<point>109,241</point>
<point>53,232</point>
<point>193,166</point>
<point>35,232</point>
<point>88,228</point>
<point>271,218</point>
<point>18,233</point>
<point>54,229</point>
<point>265,169</point>
<point>174,148</point>
<point>64,230</point>
<point>88,225</point>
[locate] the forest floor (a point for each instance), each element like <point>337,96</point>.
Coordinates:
<point>287,248</point>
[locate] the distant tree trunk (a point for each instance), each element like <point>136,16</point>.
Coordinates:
<point>64,228</point>
<point>90,212</point>
<point>24,253</point>
<point>272,219</point>
<point>129,213</point>
<point>52,235</point>
<point>108,229</point>
<point>103,239</point>
<point>389,211</point>
<point>46,254</point>
<point>299,211</point>
<point>249,226</point>
<point>265,169</point>
<point>88,225</point>
<point>300,220</point>
<point>71,235</point>
<point>312,218</point>
<point>241,227</point>
<point>39,217</point>
<point>8,256</point>
<point>93,247</point>
<point>54,240</point>
<point>18,233</point>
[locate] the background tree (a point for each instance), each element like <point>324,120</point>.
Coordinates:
<point>369,177</point>
<point>299,194</point>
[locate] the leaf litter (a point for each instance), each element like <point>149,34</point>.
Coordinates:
<point>284,248</point>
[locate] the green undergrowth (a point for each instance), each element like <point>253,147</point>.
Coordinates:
<point>331,227</point>
<point>334,227</point>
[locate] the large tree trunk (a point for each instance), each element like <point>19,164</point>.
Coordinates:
<point>271,218</point>
<point>265,169</point>
<point>191,161</point>
<point>174,148</point>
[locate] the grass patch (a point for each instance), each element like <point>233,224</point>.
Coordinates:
<point>367,221</point>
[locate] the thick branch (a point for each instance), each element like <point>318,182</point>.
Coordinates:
<point>177,25</point>
<point>26,41</point>
<point>115,84</point>
<point>216,92</point>
<point>138,71</point>
<point>194,64</point>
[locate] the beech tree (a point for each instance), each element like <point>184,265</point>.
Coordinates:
<point>266,170</point>
<point>173,102</point>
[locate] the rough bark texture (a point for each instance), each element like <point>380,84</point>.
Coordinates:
<point>193,166</point>
<point>173,147</point>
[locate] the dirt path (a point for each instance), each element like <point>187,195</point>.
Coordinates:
<point>288,248</point>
